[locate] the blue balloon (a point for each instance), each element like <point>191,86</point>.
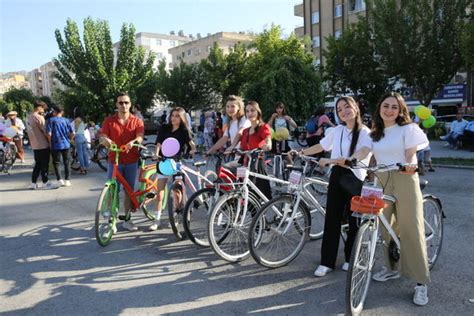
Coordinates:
<point>167,167</point>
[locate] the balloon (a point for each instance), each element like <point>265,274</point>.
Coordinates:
<point>15,128</point>
<point>422,112</point>
<point>10,132</point>
<point>429,122</point>
<point>273,132</point>
<point>167,167</point>
<point>282,133</point>
<point>170,147</point>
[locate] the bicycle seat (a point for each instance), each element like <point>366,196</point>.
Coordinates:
<point>199,163</point>
<point>423,184</point>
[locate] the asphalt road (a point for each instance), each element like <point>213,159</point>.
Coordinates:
<point>50,263</point>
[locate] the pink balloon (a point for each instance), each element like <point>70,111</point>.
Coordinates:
<point>170,147</point>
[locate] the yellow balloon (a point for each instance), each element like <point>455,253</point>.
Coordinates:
<point>424,113</point>
<point>282,133</point>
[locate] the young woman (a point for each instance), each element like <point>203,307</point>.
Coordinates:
<point>177,127</point>
<point>346,141</point>
<point>320,121</point>
<point>80,141</point>
<point>280,119</point>
<point>236,123</point>
<point>258,135</point>
<point>396,140</point>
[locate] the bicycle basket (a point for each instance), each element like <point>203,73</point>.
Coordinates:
<point>367,205</point>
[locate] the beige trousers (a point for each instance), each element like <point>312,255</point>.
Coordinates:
<point>407,220</point>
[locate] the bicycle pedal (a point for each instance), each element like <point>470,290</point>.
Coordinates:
<point>150,195</point>
<point>122,217</point>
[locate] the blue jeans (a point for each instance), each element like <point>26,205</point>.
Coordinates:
<point>82,152</point>
<point>128,171</point>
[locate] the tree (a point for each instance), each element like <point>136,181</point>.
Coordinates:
<point>92,74</point>
<point>352,66</point>
<point>282,70</point>
<point>226,73</point>
<point>20,100</point>
<point>185,85</point>
<point>418,42</point>
<point>467,44</point>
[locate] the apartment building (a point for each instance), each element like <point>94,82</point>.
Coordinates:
<point>322,18</point>
<point>35,78</point>
<point>42,81</point>
<point>13,81</point>
<point>159,44</point>
<point>199,49</point>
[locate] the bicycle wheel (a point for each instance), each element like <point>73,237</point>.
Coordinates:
<point>360,269</point>
<point>149,204</point>
<point>228,227</point>
<point>175,217</point>
<point>101,157</point>
<point>279,232</point>
<point>301,139</point>
<point>105,215</point>
<point>75,165</point>
<point>434,228</point>
<point>151,147</point>
<point>196,213</point>
<point>318,212</point>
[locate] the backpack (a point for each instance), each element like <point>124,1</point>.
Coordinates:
<point>312,125</point>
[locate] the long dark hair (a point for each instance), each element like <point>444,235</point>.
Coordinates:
<point>377,121</point>
<point>182,115</point>
<point>280,105</point>
<point>357,124</point>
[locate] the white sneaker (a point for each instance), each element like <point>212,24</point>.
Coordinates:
<point>67,183</point>
<point>49,186</point>
<point>33,186</point>
<point>61,183</point>
<point>128,225</point>
<point>345,266</point>
<point>322,271</point>
<point>114,229</point>
<point>421,295</point>
<point>154,226</point>
<point>384,275</point>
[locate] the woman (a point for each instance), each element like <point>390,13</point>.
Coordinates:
<point>258,135</point>
<point>13,120</point>
<point>396,140</point>
<point>346,141</point>
<point>178,128</point>
<point>80,141</point>
<point>319,121</point>
<point>235,124</point>
<point>280,119</point>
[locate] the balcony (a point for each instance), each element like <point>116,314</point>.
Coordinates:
<point>299,31</point>
<point>299,9</point>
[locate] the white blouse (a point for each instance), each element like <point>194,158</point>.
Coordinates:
<point>338,141</point>
<point>390,149</point>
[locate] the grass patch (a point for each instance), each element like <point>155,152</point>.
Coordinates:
<point>453,161</point>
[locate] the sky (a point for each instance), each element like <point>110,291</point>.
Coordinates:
<point>27,27</point>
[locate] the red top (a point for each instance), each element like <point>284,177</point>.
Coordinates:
<point>255,140</point>
<point>122,134</point>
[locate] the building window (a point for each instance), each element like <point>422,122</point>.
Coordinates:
<point>189,52</point>
<point>158,42</point>
<point>182,55</point>
<point>315,17</point>
<point>159,55</point>
<point>316,41</point>
<point>197,51</point>
<point>208,48</point>
<point>357,5</point>
<point>338,11</point>
<point>172,43</point>
<point>337,34</point>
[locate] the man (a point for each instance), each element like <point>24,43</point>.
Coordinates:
<point>456,130</point>
<point>126,129</point>
<point>60,134</point>
<point>469,133</point>
<point>163,118</point>
<point>13,121</point>
<point>35,128</point>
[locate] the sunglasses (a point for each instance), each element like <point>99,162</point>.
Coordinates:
<point>124,102</point>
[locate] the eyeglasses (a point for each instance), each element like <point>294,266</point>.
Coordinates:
<point>123,102</point>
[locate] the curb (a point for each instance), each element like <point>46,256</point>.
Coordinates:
<point>454,166</point>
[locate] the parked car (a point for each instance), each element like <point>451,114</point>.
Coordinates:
<point>446,120</point>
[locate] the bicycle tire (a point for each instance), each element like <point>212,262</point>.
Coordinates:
<point>301,139</point>
<point>148,205</point>
<point>102,157</point>
<point>434,228</point>
<point>75,165</point>
<point>106,215</point>
<point>196,213</point>
<point>265,227</point>
<point>360,269</point>
<point>175,218</point>
<point>227,239</point>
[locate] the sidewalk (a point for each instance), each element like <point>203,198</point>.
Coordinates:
<point>439,151</point>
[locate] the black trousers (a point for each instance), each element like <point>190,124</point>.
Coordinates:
<point>41,157</point>
<point>343,185</point>
<point>57,154</point>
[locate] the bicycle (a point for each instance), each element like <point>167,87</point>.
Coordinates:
<point>282,226</point>
<point>106,215</point>
<point>7,154</point>
<point>369,208</point>
<point>97,153</point>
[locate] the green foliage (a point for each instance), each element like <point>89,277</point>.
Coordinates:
<point>418,41</point>
<point>351,67</point>
<point>186,85</point>
<point>20,100</point>
<point>282,70</point>
<point>467,43</point>
<point>87,68</point>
